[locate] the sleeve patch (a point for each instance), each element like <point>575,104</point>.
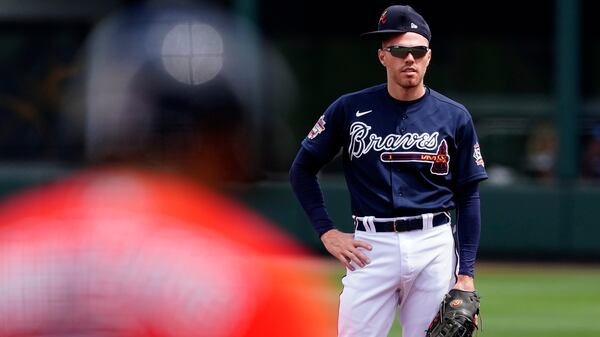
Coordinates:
<point>318,128</point>
<point>477,155</point>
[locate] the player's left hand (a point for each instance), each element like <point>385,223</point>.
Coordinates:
<point>465,283</point>
<point>457,315</point>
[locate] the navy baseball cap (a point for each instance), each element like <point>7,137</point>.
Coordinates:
<point>399,19</point>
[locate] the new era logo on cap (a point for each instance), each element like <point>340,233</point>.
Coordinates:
<point>399,19</point>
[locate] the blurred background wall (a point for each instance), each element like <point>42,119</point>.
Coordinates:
<point>528,73</point>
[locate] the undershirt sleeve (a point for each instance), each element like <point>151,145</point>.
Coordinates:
<point>468,226</point>
<point>303,178</point>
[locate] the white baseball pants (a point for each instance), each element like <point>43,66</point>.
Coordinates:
<point>411,271</point>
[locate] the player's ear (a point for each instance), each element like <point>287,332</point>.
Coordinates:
<point>381,56</point>
<point>428,56</point>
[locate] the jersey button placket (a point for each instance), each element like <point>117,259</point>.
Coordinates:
<point>398,188</point>
<point>400,129</point>
<point>397,181</point>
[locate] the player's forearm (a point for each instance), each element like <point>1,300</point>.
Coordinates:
<point>303,178</point>
<point>469,227</point>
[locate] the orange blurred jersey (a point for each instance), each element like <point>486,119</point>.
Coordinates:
<point>131,254</point>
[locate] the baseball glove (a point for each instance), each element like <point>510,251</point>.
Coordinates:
<point>457,315</point>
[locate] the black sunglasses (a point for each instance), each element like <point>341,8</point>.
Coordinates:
<point>402,52</point>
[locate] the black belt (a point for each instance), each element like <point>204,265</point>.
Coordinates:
<point>402,224</point>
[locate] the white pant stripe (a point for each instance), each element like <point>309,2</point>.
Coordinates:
<point>427,221</point>
<point>364,221</point>
<point>367,223</point>
<point>371,221</point>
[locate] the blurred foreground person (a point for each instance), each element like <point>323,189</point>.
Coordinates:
<point>143,244</point>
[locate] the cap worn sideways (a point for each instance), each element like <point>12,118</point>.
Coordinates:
<point>399,19</point>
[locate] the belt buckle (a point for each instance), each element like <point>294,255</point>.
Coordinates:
<point>394,223</point>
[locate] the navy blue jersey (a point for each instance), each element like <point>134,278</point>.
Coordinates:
<point>400,158</point>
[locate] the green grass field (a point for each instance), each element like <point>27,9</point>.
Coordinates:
<point>529,300</point>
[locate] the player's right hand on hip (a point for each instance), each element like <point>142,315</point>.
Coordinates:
<point>344,248</point>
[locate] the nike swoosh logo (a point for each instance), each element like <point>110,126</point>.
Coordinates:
<point>359,113</point>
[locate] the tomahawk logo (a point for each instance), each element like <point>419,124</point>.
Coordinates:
<point>440,161</point>
<point>383,18</point>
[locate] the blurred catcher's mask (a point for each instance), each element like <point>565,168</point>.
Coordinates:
<point>169,72</point>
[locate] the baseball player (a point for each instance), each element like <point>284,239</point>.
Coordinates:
<point>410,156</point>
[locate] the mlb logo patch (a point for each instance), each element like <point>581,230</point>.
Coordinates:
<point>318,128</point>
